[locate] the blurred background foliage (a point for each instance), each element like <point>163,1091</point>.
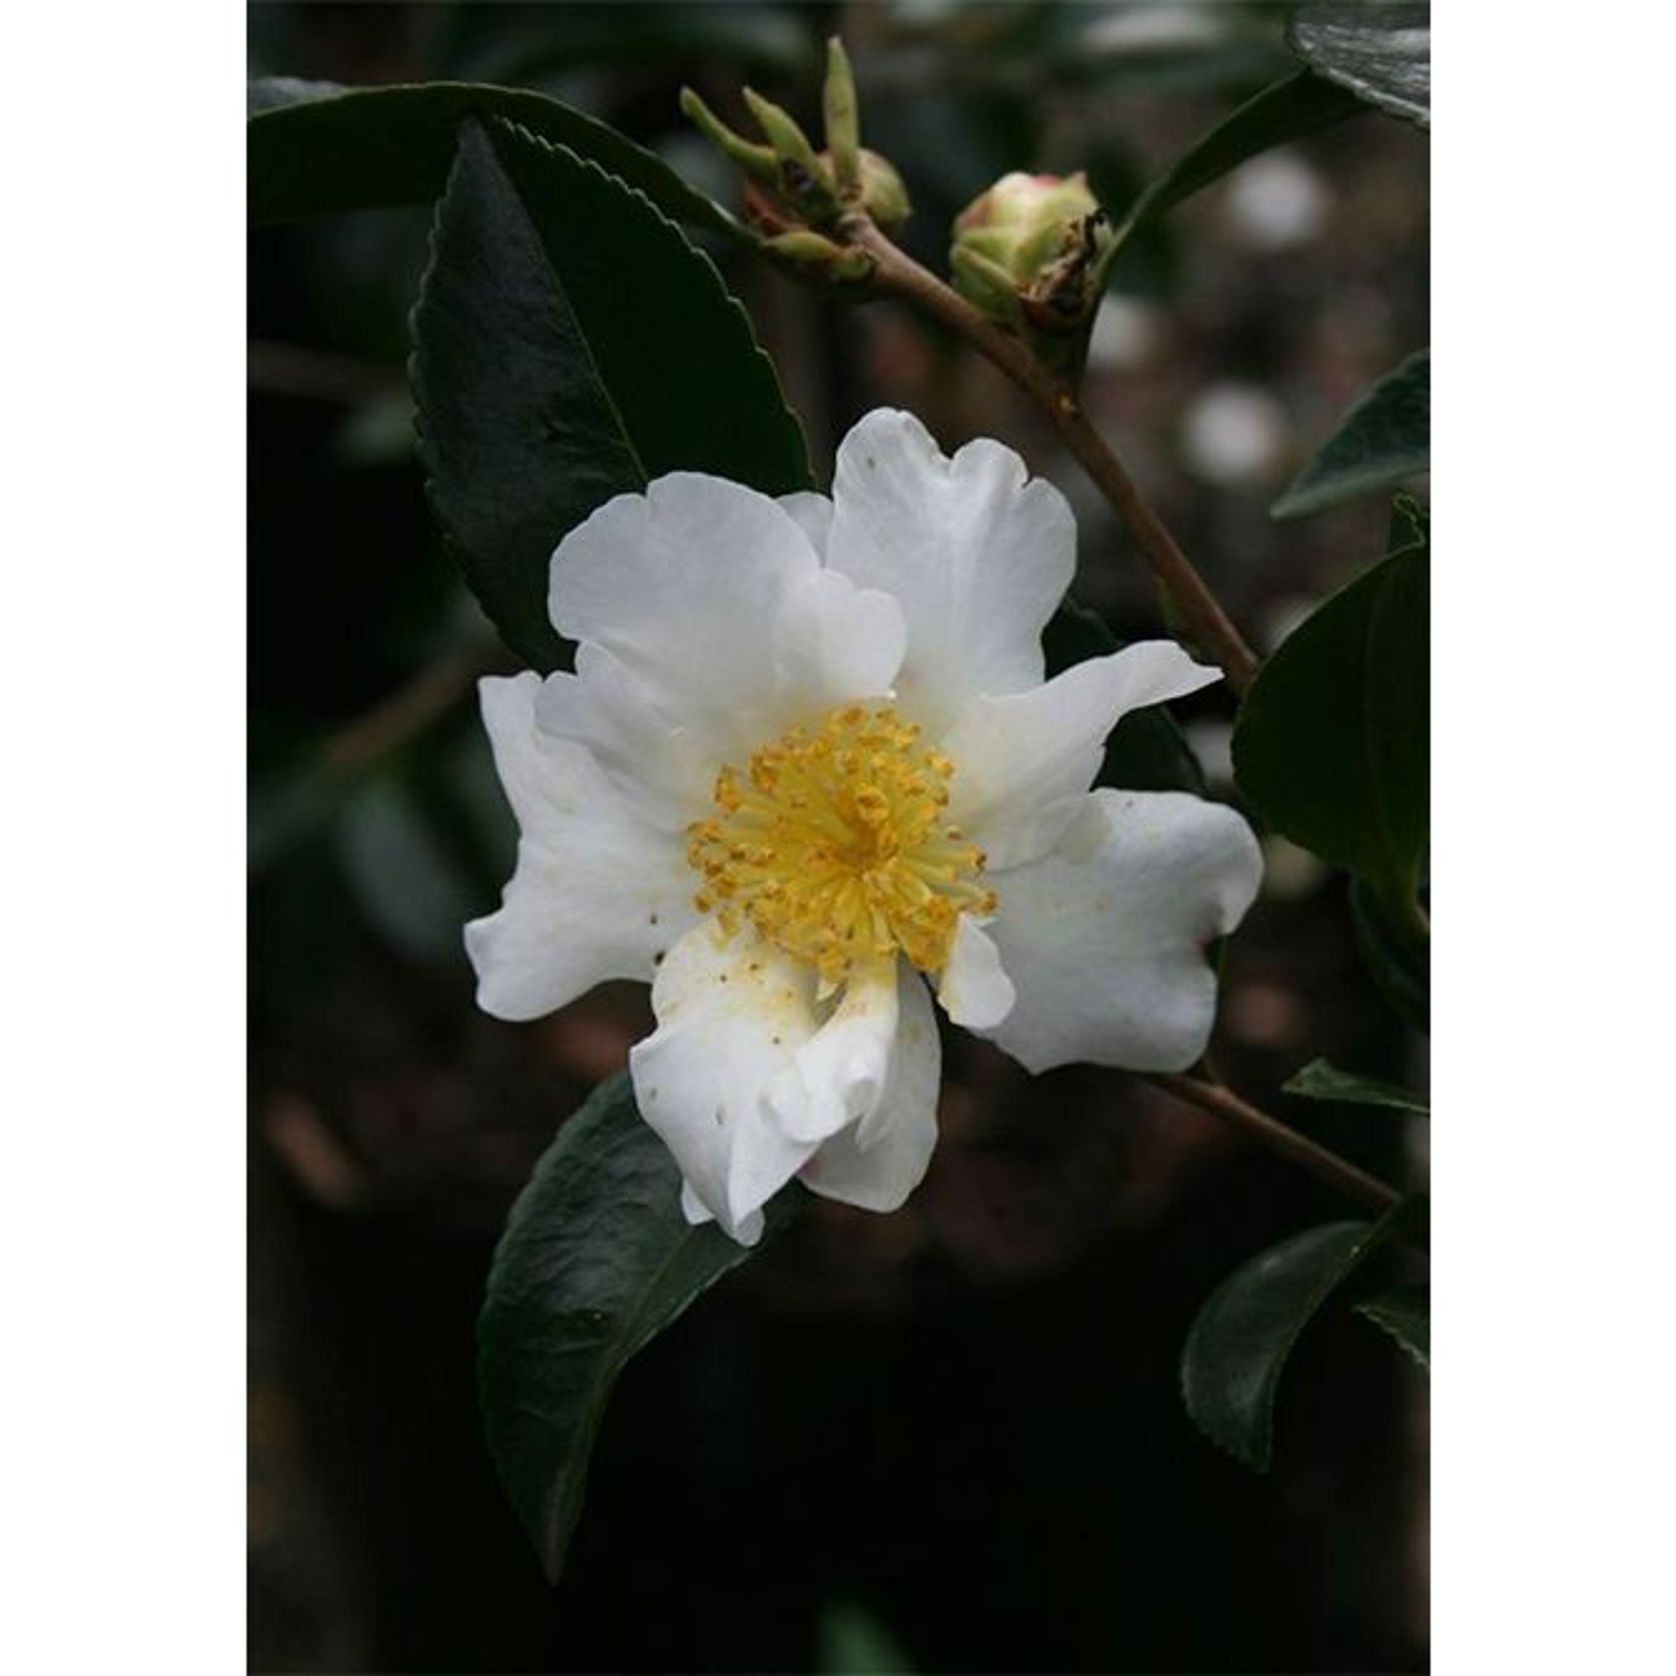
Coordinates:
<point>945,1440</point>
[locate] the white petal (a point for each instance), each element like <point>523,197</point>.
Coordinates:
<point>652,761</point>
<point>878,1162</point>
<point>812,514</point>
<point>975,990</point>
<point>683,585</point>
<point>1022,762</point>
<point>692,1207</point>
<point>834,642</point>
<point>1105,936</point>
<point>731,1019</point>
<point>840,1072</point>
<point>597,893</point>
<point>978,555</point>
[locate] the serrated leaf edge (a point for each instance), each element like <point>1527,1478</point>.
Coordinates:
<point>417,383</point>
<point>705,260</point>
<point>707,211</point>
<point>1262,1456</point>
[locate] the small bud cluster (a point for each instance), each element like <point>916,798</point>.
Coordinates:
<point>1030,254</point>
<point>795,195</point>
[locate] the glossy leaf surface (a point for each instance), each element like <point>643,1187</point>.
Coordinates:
<point>570,344</point>
<point>1332,742</point>
<point>595,1261</point>
<point>1382,441</point>
<point>1395,952</point>
<point>1240,1340</point>
<point>1381,50</point>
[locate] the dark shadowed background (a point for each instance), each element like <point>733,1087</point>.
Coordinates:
<point>950,1439</point>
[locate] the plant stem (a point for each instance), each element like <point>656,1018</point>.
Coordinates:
<point>898,274</point>
<point>288,369</point>
<point>412,708</point>
<point>1267,1131</point>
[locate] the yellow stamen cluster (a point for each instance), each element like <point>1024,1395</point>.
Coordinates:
<point>834,844</point>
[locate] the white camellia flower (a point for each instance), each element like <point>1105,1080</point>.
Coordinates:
<point>807,767</point>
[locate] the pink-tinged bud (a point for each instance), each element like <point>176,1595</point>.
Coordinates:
<point>1031,253</point>
<point>1024,223</point>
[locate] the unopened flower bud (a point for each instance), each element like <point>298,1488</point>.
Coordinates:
<point>988,286</point>
<point>1031,253</point>
<point>883,195</point>
<point>843,121</point>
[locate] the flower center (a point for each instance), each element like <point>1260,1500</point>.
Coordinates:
<point>834,845</point>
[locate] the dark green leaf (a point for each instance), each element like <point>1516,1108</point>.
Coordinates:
<point>596,1260</point>
<point>1287,110</point>
<point>1331,746</point>
<point>1396,953</point>
<point>1237,1347</point>
<point>570,344</point>
<point>1146,750</point>
<point>1320,1081</point>
<point>674,349</point>
<point>1406,1314</point>
<point>1385,438</point>
<point>518,435</point>
<point>315,148</point>
<point>1380,49</point>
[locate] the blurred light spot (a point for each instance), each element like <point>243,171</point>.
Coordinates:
<point>402,873</point>
<point>1148,28</point>
<point>1233,433</point>
<point>851,1640</point>
<point>1212,742</point>
<point>925,13</point>
<point>1281,618</point>
<point>1277,200</point>
<point>322,1165</point>
<point>1290,872</point>
<point>378,433</point>
<point>1265,1015</point>
<point>1125,334</point>
<point>589,1040</point>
